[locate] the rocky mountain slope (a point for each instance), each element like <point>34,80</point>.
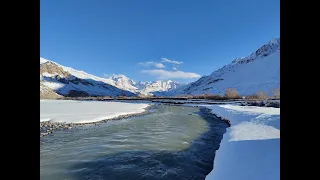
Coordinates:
<point>67,81</point>
<point>260,71</point>
<point>47,93</point>
<point>70,82</point>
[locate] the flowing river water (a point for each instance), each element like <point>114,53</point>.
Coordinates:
<point>170,143</point>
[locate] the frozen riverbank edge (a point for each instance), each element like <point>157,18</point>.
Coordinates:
<point>51,121</point>
<point>250,149</point>
<point>48,127</point>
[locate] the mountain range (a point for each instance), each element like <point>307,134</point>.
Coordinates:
<point>66,81</point>
<point>260,71</point>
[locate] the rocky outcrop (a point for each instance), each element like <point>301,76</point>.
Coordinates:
<point>47,93</point>
<point>52,68</point>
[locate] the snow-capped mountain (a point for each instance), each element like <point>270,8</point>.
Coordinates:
<point>260,71</point>
<point>123,82</point>
<point>142,87</point>
<point>157,86</point>
<point>67,81</point>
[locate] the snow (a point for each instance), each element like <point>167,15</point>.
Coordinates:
<point>160,85</point>
<point>259,71</point>
<point>44,119</point>
<point>53,85</point>
<point>254,109</point>
<point>42,60</point>
<point>92,85</point>
<point>250,148</point>
<point>70,111</point>
<point>119,81</point>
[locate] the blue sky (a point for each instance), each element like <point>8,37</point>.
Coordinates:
<point>154,39</point>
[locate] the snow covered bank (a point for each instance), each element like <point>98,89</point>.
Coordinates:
<point>250,149</point>
<point>70,111</point>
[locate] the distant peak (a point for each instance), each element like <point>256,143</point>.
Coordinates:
<point>275,41</point>
<point>237,59</point>
<point>43,60</point>
<point>118,76</point>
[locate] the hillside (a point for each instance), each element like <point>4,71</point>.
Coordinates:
<point>70,82</point>
<point>67,81</point>
<point>260,71</point>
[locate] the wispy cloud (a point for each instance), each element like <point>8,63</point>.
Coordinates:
<point>174,68</point>
<point>152,64</point>
<point>171,61</point>
<point>163,74</point>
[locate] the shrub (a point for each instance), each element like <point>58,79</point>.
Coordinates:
<point>231,93</point>
<point>122,97</point>
<point>254,96</point>
<point>188,96</point>
<point>216,97</point>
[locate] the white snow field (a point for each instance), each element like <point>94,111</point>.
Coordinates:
<point>70,111</point>
<point>250,149</point>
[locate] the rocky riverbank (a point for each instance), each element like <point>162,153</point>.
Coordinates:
<point>48,127</point>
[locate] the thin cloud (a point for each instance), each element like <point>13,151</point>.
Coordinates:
<point>152,64</point>
<point>163,74</point>
<point>174,68</point>
<point>171,61</point>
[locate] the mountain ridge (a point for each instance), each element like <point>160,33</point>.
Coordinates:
<point>63,80</point>
<point>259,71</point>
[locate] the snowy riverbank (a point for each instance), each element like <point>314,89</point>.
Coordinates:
<point>69,111</point>
<point>250,149</point>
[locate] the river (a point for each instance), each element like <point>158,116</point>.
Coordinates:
<point>171,142</point>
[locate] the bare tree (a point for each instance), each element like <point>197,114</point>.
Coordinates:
<point>231,93</point>
<point>262,95</point>
<point>276,93</point>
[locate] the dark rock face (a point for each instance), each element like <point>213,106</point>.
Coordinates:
<point>75,93</point>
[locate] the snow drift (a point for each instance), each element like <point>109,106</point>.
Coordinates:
<point>250,149</point>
